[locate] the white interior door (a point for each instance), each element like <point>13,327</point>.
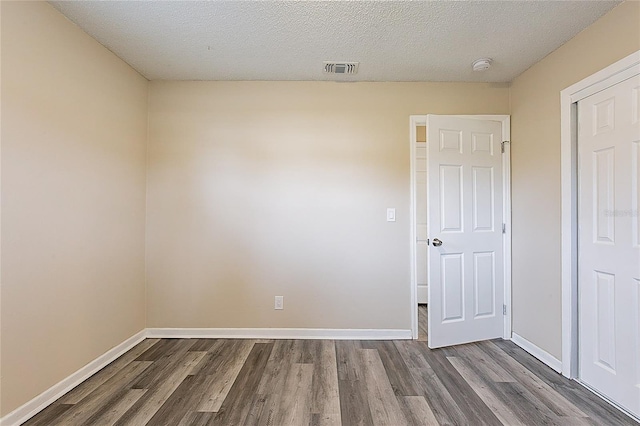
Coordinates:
<point>609,242</point>
<point>465,223</point>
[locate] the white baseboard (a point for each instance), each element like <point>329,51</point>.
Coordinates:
<point>46,398</point>
<point>544,356</point>
<point>279,333</point>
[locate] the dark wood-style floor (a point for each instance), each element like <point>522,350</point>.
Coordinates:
<point>323,382</point>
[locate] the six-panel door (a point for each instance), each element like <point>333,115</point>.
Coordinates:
<point>609,242</point>
<point>465,211</point>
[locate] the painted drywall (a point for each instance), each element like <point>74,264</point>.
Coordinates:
<point>535,150</point>
<point>74,121</point>
<point>258,189</point>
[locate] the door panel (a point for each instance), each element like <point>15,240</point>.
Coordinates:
<point>483,199</point>
<point>484,284</point>
<point>605,320</point>
<point>451,198</point>
<point>603,195</point>
<point>466,276</point>
<point>453,281</point>
<point>609,254</point>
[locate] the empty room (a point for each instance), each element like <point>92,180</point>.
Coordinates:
<point>317,213</point>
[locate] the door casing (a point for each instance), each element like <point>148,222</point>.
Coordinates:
<point>421,120</point>
<point>569,97</point>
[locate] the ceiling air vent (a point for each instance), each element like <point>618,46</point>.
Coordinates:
<point>341,67</point>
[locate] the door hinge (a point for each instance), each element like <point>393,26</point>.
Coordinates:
<point>428,241</point>
<point>502,145</point>
<point>504,309</point>
<point>504,228</point>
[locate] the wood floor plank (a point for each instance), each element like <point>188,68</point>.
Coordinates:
<point>145,408</point>
<point>117,409</point>
<point>163,363</point>
<point>223,377</point>
<point>443,405</point>
<point>236,406</point>
<point>195,418</point>
<point>525,406</point>
<point>416,411</point>
<point>534,365</point>
<point>385,410</point>
<point>474,408</point>
<point>538,387</point>
<point>580,421</point>
<point>399,376</point>
<point>284,354</point>
<point>162,348</point>
<point>216,352</point>
<point>422,323</point>
<point>481,361</point>
<point>80,413</point>
<point>481,386</point>
<point>204,345</point>
<point>294,407</point>
<point>272,387</point>
<point>180,402</point>
<point>49,416</point>
<point>325,398</point>
<point>98,379</point>
<point>348,359</point>
<point>256,410</point>
<point>354,404</point>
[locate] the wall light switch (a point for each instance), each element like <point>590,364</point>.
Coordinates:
<point>391,215</point>
<point>279,303</point>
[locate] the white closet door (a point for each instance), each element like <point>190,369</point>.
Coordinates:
<point>609,242</point>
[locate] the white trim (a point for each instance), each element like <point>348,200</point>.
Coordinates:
<point>279,333</point>
<point>542,355</point>
<point>414,121</point>
<point>619,71</point>
<point>421,120</point>
<point>506,216</point>
<point>46,398</point>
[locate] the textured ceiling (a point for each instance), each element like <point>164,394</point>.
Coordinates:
<point>289,40</point>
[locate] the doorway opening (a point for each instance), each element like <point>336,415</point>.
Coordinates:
<point>460,228</point>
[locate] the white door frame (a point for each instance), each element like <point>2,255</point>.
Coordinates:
<point>611,75</point>
<point>421,120</point>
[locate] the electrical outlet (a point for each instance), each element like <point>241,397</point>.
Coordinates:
<point>279,303</point>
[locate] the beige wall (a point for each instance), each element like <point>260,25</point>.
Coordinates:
<point>535,115</point>
<point>73,200</point>
<point>257,189</point>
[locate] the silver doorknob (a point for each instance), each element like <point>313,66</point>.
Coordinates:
<point>437,242</point>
